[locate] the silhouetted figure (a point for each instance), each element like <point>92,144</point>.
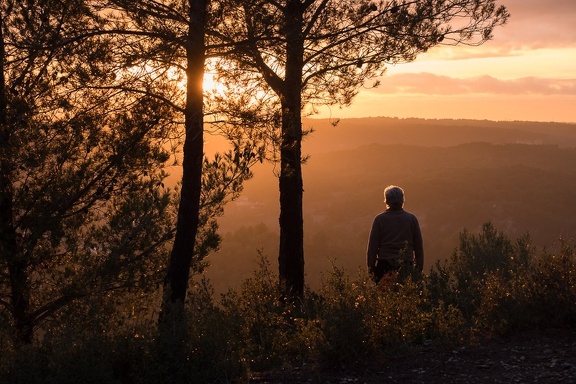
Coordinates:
<point>395,243</point>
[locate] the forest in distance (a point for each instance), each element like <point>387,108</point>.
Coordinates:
<point>457,174</point>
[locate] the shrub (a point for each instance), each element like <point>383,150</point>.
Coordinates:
<point>272,331</point>
<point>552,287</point>
<point>201,347</point>
<point>500,286</point>
<point>447,324</point>
<point>540,295</point>
<point>344,309</point>
<point>461,280</point>
<point>490,285</point>
<point>359,318</point>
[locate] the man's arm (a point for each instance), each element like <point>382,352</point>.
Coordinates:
<point>373,243</point>
<point>418,246</point>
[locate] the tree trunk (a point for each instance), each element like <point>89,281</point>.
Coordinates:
<point>19,297</point>
<point>291,253</point>
<point>176,282</point>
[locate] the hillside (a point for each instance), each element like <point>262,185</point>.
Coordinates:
<point>456,174</point>
<point>353,133</point>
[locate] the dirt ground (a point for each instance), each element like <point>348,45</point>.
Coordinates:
<point>547,356</point>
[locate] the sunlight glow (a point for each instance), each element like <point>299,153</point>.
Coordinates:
<point>211,85</point>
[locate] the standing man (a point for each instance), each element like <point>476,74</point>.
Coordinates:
<point>395,242</point>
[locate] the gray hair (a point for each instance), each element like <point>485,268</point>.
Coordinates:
<point>394,196</point>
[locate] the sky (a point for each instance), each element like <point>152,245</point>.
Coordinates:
<point>526,72</point>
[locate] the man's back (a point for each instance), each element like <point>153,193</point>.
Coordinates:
<point>396,231</point>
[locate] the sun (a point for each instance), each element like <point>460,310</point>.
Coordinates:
<point>211,85</point>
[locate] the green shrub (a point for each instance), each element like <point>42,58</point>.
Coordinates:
<point>502,306</point>
<point>460,281</point>
<point>447,324</point>
<point>344,309</point>
<point>500,286</point>
<point>359,318</point>
<point>201,347</point>
<point>552,287</point>
<point>540,295</point>
<point>490,285</point>
<point>272,332</point>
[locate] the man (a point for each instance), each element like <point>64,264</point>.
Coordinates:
<point>395,242</point>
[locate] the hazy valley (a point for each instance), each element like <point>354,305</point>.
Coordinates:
<point>456,174</point>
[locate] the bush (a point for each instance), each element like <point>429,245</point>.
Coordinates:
<point>201,350</point>
<point>359,318</point>
<point>201,347</point>
<point>552,288</point>
<point>540,295</point>
<point>490,285</point>
<point>272,332</point>
<point>344,307</point>
<point>461,280</point>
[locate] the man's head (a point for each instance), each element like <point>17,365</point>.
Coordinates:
<point>394,197</point>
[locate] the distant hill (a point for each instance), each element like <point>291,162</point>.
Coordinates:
<point>352,133</point>
<point>456,173</point>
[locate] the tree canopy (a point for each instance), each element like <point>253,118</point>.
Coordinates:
<point>84,210</point>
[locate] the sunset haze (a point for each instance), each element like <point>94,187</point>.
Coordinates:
<point>526,72</point>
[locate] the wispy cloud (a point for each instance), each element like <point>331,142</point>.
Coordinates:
<point>539,24</point>
<point>431,84</point>
<point>534,24</point>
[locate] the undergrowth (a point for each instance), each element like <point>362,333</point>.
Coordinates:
<point>490,285</point>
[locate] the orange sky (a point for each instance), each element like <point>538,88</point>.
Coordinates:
<point>527,72</point>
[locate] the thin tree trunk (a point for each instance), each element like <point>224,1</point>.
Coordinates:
<point>291,252</point>
<point>17,268</point>
<point>176,283</point>
<point>20,300</point>
<point>19,297</point>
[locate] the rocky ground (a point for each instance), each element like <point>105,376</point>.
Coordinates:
<point>532,357</point>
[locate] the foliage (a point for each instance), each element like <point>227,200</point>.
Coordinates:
<point>542,294</point>
<point>84,209</point>
<point>273,330</point>
<point>461,279</point>
<point>160,48</point>
<point>87,128</point>
<point>126,348</point>
<point>349,320</point>
<point>337,46</point>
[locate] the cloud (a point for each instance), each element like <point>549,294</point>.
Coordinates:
<point>525,73</point>
<point>533,24</point>
<point>431,84</point>
<point>538,24</point>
